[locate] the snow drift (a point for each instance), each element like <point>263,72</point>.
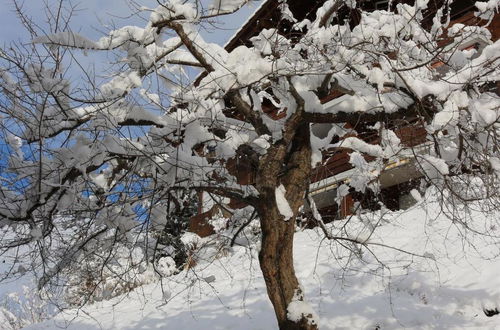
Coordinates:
<point>420,270</point>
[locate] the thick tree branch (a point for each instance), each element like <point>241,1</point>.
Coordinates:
<point>230,193</point>
<point>246,110</point>
<point>188,43</point>
<point>78,122</point>
<point>356,117</point>
<point>329,12</point>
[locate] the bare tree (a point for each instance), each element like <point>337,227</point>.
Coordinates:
<point>105,161</point>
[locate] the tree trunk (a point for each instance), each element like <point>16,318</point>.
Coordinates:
<point>290,167</point>
<point>276,263</point>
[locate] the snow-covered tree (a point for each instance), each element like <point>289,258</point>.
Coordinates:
<point>100,163</point>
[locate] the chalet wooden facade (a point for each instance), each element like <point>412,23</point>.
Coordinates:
<point>401,175</point>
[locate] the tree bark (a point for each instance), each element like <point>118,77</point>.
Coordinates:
<point>276,263</point>
<point>291,167</point>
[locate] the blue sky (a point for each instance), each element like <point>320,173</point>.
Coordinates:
<point>96,16</point>
<point>92,19</point>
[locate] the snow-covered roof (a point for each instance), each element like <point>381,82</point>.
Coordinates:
<point>265,5</point>
<point>250,18</point>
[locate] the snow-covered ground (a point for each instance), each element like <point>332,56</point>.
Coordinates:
<point>446,289</point>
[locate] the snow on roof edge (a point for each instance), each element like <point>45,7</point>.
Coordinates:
<point>257,9</point>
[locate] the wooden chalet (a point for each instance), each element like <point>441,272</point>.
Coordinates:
<point>401,175</point>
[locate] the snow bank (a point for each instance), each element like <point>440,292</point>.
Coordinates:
<point>444,283</point>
